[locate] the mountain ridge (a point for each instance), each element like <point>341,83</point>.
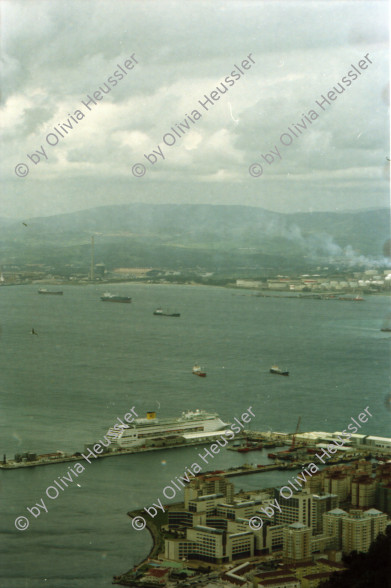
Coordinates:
<point>205,235</point>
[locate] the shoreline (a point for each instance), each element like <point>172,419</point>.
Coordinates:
<point>154,551</point>
<point>258,292</point>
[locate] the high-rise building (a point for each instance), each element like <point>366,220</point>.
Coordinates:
<point>363,491</point>
<point>314,485</point>
<point>210,544</point>
<point>360,528</point>
<point>363,466</point>
<point>383,497</point>
<point>332,525</point>
<point>338,483</point>
<point>206,503</point>
<point>296,543</point>
<point>300,508</point>
<point>267,539</point>
<point>323,503</point>
<point>355,530</point>
<point>203,485</point>
<point>383,489</point>
<point>244,509</point>
<point>199,509</point>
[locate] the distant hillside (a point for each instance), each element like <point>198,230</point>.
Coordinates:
<point>214,238</point>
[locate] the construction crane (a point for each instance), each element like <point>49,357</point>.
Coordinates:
<point>294,435</point>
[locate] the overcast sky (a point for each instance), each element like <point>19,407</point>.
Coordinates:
<point>55,53</point>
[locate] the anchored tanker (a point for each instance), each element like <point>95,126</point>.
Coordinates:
<point>108,297</point>
<point>52,292</point>
<point>151,427</point>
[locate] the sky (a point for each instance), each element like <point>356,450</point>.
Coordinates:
<point>55,54</point>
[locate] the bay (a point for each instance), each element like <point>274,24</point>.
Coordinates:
<point>91,362</point>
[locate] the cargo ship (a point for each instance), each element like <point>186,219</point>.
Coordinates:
<point>159,312</point>
<point>151,427</point>
<point>197,371</point>
<point>52,292</point>
<point>276,370</point>
<point>108,297</point>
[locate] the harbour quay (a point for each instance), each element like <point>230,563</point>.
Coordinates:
<point>301,445</point>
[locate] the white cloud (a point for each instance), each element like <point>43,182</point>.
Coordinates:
<point>57,53</point>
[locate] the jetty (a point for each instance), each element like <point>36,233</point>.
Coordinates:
<point>302,448</point>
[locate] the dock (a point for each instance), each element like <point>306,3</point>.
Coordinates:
<point>306,445</point>
<point>12,464</point>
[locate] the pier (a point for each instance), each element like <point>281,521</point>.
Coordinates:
<point>301,453</point>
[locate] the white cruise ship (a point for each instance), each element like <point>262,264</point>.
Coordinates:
<point>151,427</point>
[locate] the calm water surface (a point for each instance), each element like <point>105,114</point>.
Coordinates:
<point>91,362</point>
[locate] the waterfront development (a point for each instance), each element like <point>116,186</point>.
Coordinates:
<point>215,534</point>
<point>215,530</point>
<point>367,446</point>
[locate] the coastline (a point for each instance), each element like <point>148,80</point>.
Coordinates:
<point>258,292</point>
<point>127,578</point>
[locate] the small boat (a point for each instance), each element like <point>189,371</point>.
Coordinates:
<point>198,372</point>
<point>52,292</point>
<point>250,447</point>
<point>107,297</point>
<point>276,370</point>
<point>159,312</point>
<point>386,326</point>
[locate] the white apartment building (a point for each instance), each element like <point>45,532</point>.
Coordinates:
<point>360,529</point>
<point>300,508</point>
<point>296,543</point>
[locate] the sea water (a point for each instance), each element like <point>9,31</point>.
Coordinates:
<point>92,361</point>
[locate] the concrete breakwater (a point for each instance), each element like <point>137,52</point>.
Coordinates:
<point>62,458</point>
<point>272,439</point>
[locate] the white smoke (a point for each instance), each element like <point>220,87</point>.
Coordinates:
<point>321,246</point>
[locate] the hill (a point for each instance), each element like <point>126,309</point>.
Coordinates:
<point>208,237</point>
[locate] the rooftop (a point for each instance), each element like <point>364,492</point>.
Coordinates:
<point>297,526</point>
<point>210,530</point>
<point>337,511</point>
